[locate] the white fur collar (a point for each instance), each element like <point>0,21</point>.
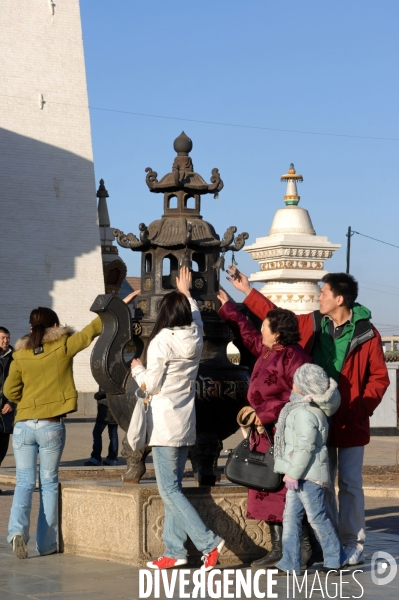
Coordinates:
<point>51,334</point>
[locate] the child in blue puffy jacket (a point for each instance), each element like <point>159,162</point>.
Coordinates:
<point>301,455</point>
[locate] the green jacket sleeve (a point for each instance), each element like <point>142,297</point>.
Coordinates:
<point>82,339</point>
<point>13,385</point>
<point>305,431</point>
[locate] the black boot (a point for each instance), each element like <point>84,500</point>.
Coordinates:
<point>311,551</point>
<point>276,553</point>
<point>306,548</point>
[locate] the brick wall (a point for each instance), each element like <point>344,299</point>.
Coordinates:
<point>50,247</point>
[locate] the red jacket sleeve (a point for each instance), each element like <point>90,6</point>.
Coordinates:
<point>258,304</point>
<point>250,336</point>
<point>378,379</point>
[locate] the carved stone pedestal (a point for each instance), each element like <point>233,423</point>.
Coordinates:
<point>125,524</point>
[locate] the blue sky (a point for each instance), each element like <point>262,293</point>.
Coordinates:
<point>312,66</point>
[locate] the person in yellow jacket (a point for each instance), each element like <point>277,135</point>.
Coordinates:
<point>40,383</point>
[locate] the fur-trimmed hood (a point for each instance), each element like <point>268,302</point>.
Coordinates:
<point>51,334</point>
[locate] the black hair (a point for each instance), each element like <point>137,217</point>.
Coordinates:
<point>40,318</point>
<point>285,323</point>
<point>174,311</point>
<point>4,330</point>
<point>343,284</point>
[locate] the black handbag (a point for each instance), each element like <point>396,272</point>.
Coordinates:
<point>253,469</point>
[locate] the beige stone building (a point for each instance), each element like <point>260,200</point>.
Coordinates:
<point>50,250</point>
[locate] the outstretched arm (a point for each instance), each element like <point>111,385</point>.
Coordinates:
<point>256,302</point>
<point>183,283</point>
<point>131,296</point>
<point>250,336</point>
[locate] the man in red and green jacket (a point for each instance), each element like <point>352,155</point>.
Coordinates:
<point>341,339</point>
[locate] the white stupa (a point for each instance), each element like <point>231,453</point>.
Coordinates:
<point>292,256</point>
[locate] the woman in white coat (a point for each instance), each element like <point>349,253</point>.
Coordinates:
<point>173,358</point>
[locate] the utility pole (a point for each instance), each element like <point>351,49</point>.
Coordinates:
<point>348,248</point>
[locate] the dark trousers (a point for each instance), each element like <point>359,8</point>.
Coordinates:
<point>98,443</point>
<point>4,441</point>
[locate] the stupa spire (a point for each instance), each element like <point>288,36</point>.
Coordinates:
<point>113,266</point>
<point>103,214</point>
<point>291,194</point>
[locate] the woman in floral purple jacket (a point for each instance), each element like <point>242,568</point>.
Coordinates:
<point>279,356</point>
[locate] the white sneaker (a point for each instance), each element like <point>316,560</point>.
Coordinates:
<point>355,557</point>
<point>19,547</point>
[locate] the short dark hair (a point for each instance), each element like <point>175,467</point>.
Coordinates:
<point>285,323</point>
<point>4,330</point>
<point>174,311</point>
<point>40,318</point>
<point>343,284</point>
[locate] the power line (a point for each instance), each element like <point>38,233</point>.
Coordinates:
<point>218,123</point>
<point>380,284</point>
<point>379,291</point>
<point>349,235</point>
<point>375,239</point>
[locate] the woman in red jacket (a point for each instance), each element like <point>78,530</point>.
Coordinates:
<point>279,356</point>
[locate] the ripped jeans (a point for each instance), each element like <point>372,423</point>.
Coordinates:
<point>47,439</point>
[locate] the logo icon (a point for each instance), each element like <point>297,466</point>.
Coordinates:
<point>383,568</point>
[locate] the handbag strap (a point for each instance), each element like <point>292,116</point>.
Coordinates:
<point>268,436</point>
<point>266,432</point>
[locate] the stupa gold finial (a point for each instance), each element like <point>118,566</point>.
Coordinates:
<point>291,194</point>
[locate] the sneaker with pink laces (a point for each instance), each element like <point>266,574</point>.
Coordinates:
<point>164,562</point>
<point>211,558</point>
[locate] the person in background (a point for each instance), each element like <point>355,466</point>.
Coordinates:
<point>342,340</point>
<point>6,407</point>
<point>104,419</point>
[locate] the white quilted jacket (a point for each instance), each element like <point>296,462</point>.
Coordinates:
<point>172,365</point>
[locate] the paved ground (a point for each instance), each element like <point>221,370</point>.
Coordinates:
<point>64,577</point>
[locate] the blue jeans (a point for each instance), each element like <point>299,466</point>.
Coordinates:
<point>309,498</point>
<point>48,439</point>
<point>98,442</point>
<point>181,518</point>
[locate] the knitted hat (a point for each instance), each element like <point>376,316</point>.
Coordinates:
<point>311,379</point>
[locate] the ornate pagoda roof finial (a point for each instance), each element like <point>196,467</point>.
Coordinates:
<point>183,144</point>
<point>183,176</point>
<point>291,194</point>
